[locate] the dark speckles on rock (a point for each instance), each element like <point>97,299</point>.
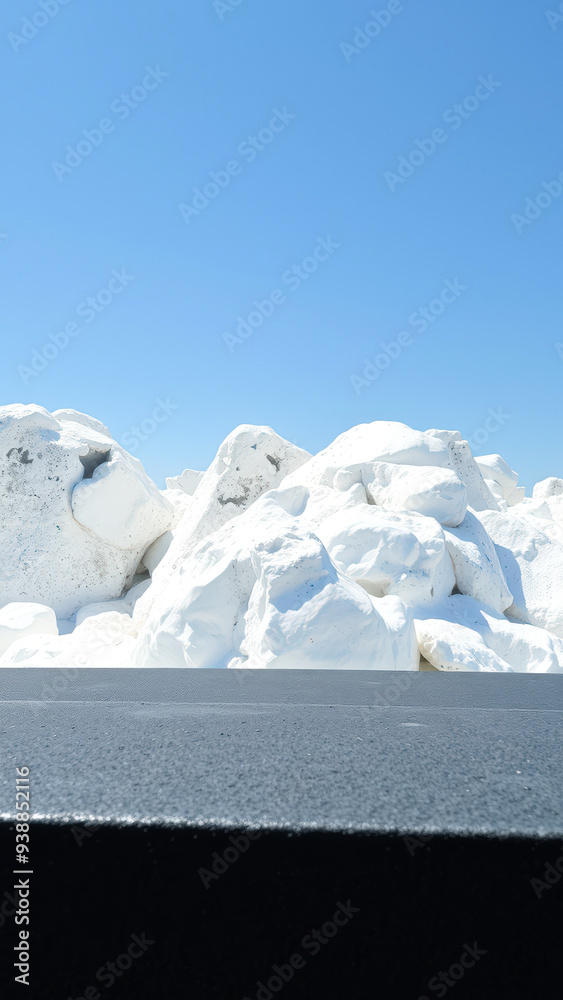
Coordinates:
<point>48,555</point>
<point>22,455</point>
<point>236,500</point>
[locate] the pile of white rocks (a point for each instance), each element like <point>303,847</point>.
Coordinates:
<point>390,549</point>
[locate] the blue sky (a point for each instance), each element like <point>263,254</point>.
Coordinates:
<point>303,113</point>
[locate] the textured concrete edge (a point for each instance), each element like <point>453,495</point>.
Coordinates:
<point>222,825</point>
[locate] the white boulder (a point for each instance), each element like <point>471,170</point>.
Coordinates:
<point>464,634</point>
<point>356,455</point>
<point>501,479</point>
<point>550,487</point>
<point>180,500</point>
<point>388,540</point>
<point>532,563</point>
<point>263,591</point>
<point>429,490</point>
<point>380,441</point>
<point>250,461</point>
<point>120,505</point>
<point>188,481</point>
<point>20,619</point>
<point>388,553</point>
<point>477,568</point>
<point>479,496</point>
<point>77,510</point>
<point>106,639</point>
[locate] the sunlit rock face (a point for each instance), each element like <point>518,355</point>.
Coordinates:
<point>389,545</point>
<point>77,510</point>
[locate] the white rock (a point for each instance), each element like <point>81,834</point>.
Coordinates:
<point>532,563</point>
<point>83,419</point>
<point>105,622</point>
<point>77,510</point>
<point>551,487</point>
<point>35,651</point>
<point>554,528</point>
<point>476,564</point>
<point>262,591</point>
<point>102,640</point>
<point>314,504</point>
<point>500,478</point>
<point>131,596</point>
<point>547,515</point>
<point>494,467</point>
<point>156,552</point>
<point>348,459</point>
<point>386,553</point>
<point>479,496</point>
<point>464,634</point>
<point>302,613</point>
<point>101,608</point>
<point>449,645</point>
<point>21,619</point>
<point>428,490</point>
<point>180,500</point>
<point>380,441</point>
<point>119,505</point>
<point>188,481</point>
<point>250,461</point>
<point>497,492</point>
<point>124,606</point>
<point>274,558</point>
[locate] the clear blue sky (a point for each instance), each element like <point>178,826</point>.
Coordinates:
<point>322,174</point>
